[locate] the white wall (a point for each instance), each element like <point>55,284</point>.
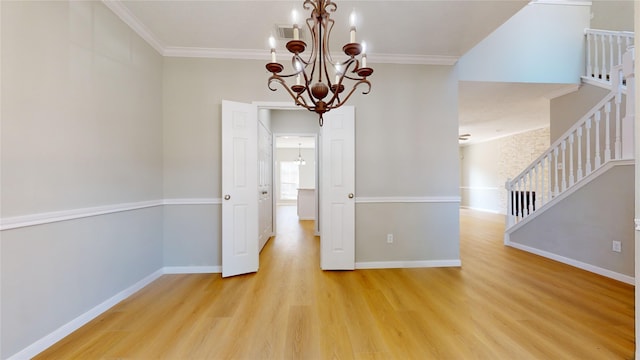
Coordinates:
<point>542,43</point>
<point>81,128</point>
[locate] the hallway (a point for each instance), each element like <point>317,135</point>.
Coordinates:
<point>502,304</point>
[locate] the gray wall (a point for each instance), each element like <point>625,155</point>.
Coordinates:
<point>566,110</point>
<point>81,127</point>
<point>612,15</point>
<point>606,212</point>
<point>406,132</point>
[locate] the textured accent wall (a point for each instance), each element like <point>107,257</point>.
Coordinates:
<point>517,152</point>
<point>485,167</point>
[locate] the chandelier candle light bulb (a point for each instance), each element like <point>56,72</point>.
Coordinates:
<point>272,43</point>
<point>352,33</point>
<point>364,54</point>
<point>296,29</point>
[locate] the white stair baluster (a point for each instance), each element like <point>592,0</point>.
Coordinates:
<point>528,193</point>
<point>597,160</point>
<point>588,149</point>
<point>572,179</point>
<point>607,131</point>
<point>556,191</point>
<point>604,71</point>
<point>541,192</point>
<point>564,165</point>
<point>611,61</point>
<point>536,188</point>
<point>549,177</point>
<point>579,149</point>
<point>596,68</point>
<point>619,42</point>
<point>589,70</point>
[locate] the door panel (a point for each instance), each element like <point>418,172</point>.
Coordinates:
<point>239,189</point>
<point>337,227</point>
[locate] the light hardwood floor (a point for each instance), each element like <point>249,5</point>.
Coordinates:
<point>502,304</point>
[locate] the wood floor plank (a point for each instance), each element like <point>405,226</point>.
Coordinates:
<point>502,303</point>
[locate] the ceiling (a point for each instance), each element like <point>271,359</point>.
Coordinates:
<point>418,32</point>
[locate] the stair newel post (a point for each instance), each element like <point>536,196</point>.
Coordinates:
<point>587,125</point>
<point>579,149</point>
<point>556,191</point>
<point>571,177</point>
<point>628,121</point>
<point>607,132</point>
<point>596,159</point>
<point>564,165</point>
<point>510,210</point>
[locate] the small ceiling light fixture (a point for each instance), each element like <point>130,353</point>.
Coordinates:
<point>300,161</point>
<point>312,80</point>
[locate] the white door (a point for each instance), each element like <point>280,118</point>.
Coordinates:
<point>239,188</point>
<point>337,189</point>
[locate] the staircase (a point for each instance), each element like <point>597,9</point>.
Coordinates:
<point>600,139</point>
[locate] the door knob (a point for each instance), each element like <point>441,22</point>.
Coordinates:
<point>227,197</point>
<point>350,195</point>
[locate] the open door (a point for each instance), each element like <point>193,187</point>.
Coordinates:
<point>239,188</point>
<point>337,189</point>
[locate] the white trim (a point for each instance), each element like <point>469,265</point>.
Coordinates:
<point>408,264</point>
<point>193,201</point>
<point>55,216</point>
<point>578,185</point>
<point>15,222</point>
<point>575,263</point>
<point>637,222</point>
<point>480,188</point>
<point>136,25</point>
<point>73,325</point>
<point>192,269</point>
<point>498,212</point>
<point>565,90</point>
<point>407,199</point>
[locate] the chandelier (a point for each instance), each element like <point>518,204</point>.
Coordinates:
<point>300,161</point>
<point>314,88</point>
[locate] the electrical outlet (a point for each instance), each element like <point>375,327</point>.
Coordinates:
<point>389,238</point>
<point>616,246</point>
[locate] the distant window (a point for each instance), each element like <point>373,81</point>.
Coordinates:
<point>289,175</point>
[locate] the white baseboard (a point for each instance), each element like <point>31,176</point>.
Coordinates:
<point>408,264</point>
<point>575,263</point>
<point>73,325</point>
<point>483,210</point>
<point>192,269</point>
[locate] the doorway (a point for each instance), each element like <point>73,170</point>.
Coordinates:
<point>296,177</point>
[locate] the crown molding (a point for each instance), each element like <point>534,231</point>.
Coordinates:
<point>251,54</point>
<point>261,54</point>
<point>134,23</point>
